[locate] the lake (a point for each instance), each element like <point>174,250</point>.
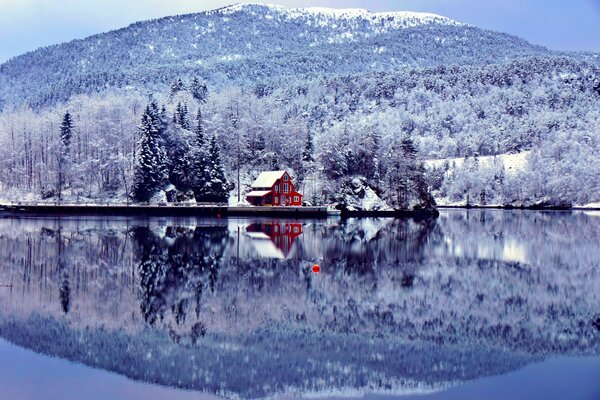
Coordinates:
<point>477,304</point>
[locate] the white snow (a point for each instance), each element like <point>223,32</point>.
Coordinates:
<point>267,179</point>
<point>323,15</point>
<point>264,246</point>
<point>364,198</point>
<point>513,163</point>
<point>258,193</point>
<point>590,206</point>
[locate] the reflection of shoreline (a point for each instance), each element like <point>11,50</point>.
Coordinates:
<point>268,364</point>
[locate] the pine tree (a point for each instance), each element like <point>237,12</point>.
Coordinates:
<point>180,117</point>
<point>64,159</point>
<point>162,117</point>
<point>185,120</point>
<point>199,90</point>
<point>199,162</point>
<point>66,130</point>
<point>216,189</point>
<point>409,169</point>
<point>307,154</point>
<point>199,131</point>
<point>150,172</point>
<point>176,86</point>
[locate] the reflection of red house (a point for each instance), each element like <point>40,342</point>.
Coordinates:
<point>281,234</point>
<point>274,188</point>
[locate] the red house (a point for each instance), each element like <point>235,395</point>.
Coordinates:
<point>274,188</point>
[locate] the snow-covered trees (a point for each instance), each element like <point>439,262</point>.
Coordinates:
<point>64,153</point>
<point>216,188</point>
<point>308,153</point>
<point>351,125</point>
<point>150,170</point>
<point>199,90</point>
<point>181,117</point>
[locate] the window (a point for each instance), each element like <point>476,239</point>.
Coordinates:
<point>285,188</point>
<point>285,177</point>
<point>276,199</point>
<point>295,229</point>
<point>277,188</point>
<point>296,199</point>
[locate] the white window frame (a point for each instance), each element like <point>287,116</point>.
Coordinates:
<point>296,199</point>
<point>277,188</point>
<point>286,188</point>
<point>285,177</point>
<point>277,199</point>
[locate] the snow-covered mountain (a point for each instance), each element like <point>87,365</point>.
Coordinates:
<point>249,43</point>
<point>347,86</point>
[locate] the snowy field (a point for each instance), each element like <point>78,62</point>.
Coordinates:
<point>513,163</point>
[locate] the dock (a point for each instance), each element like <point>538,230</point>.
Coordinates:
<point>164,209</point>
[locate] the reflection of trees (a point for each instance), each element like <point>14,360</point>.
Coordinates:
<point>394,297</point>
<point>176,270</point>
<point>360,245</point>
<point>65,289</point>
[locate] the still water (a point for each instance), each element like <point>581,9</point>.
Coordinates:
<point>472,305</point>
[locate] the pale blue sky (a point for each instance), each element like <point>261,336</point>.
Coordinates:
<point>558,24</point>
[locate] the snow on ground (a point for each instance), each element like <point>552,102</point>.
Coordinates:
<point>363,198</point>
<point>393,20</point>
<point>513,163</point>
<point>590,206</point>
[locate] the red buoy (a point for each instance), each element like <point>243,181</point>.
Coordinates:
<point>316,269</point>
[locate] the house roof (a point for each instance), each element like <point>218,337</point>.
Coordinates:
<point>267,179</point>
<point>264,246</point>
<point>258,193</point>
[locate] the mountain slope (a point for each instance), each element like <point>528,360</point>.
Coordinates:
<point>246,43</point>
<point>330,95</point>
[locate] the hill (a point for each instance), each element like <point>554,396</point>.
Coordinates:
<point>330,95</point>
<point>244,44</point>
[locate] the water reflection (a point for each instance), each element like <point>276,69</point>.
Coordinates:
<point>231,306</point>
<point>274,239</point>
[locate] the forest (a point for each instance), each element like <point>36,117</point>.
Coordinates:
<point>365,110</point>
<point>379,127</point>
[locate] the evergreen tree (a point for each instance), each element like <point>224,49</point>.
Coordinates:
<point>162,117</point>
<point>181,166</point>
<point>180,117</point>
<point>185,120</point>
<point>64,159</point>
<point>176,86</point>
<point>199,90</point>
<point>409,169</point>
<point>199,131</point>
<point>307,154</point>
<point>150,172</point>
<point>66,131</point>
<point>216,188</point>
<point>199,162</point>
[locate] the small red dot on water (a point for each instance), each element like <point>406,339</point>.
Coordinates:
<point>316,269</point>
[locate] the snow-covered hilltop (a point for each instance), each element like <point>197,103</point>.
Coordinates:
<point>246,44</point>
<point>323,16</point>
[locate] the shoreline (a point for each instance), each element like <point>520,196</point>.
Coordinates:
<point>522,208</point>
<point>218,210</point>
<point>206,210</point>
